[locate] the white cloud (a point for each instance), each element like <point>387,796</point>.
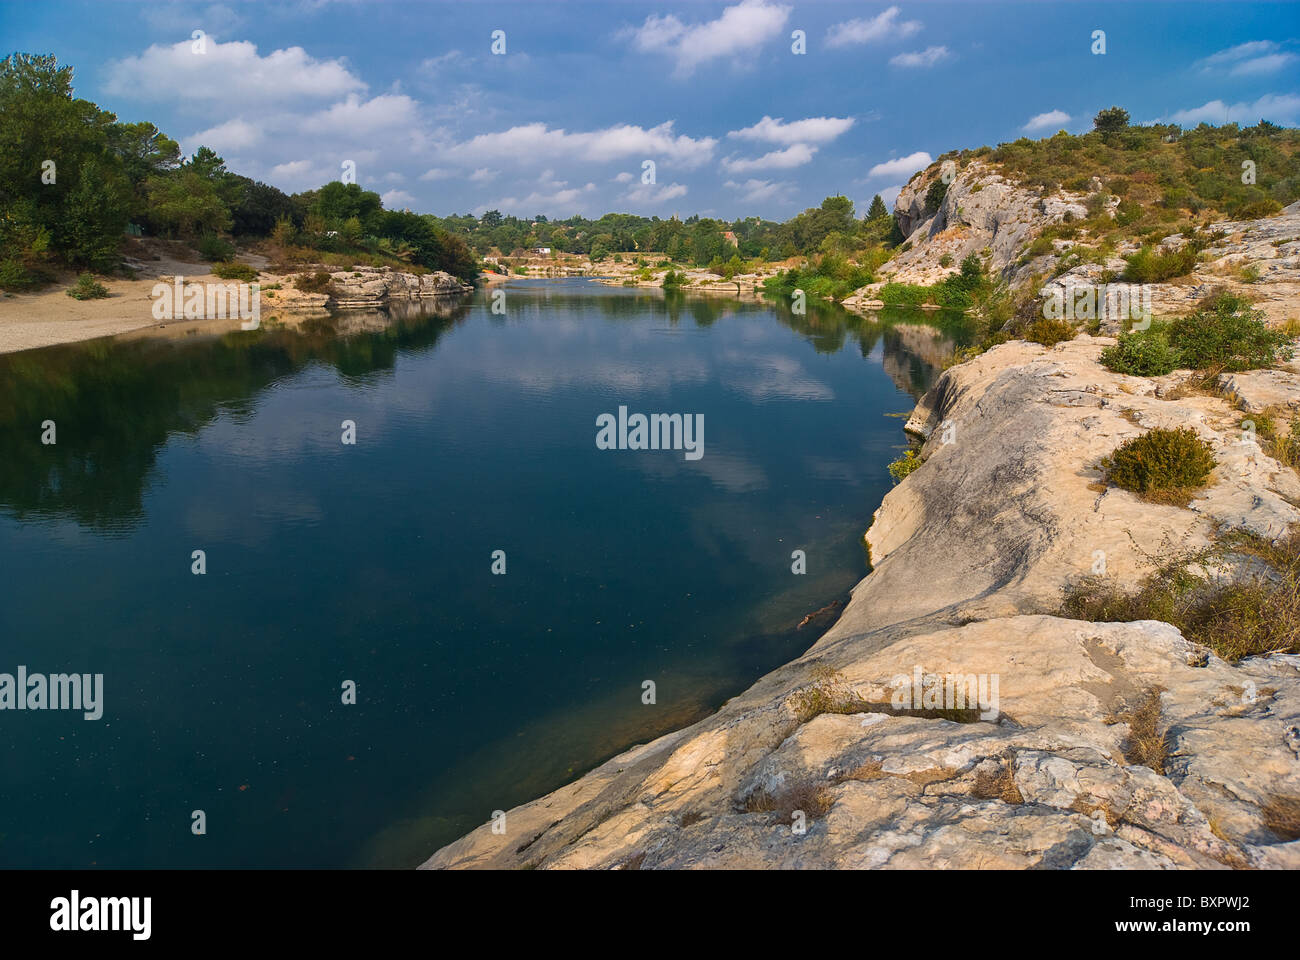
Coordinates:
<point>550,195</point>
<point>882,27</point>
<point>483,175</point>
<point>624,177</point>
<point>740,29</point>
<point>538,141</point>
<point>922,58</point>
<point>397,200</point>
<point>355,116</point>
<point>1241,51</point>
<point>1052,118</point>
<point>795,155</point>
<point>1252,59</point>
<point>1282,109</point>
<point>301,175</point>
<point>1257,66</point>
<point>650,193</point>
<point>435,173</point>
<point>451,58</point>
<point>902,166</point>
<point>811,130</point>
<point>232,135</point>
<point>760,191</point>
<point>228,71</point>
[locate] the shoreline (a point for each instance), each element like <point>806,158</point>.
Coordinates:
<point>49,318</point>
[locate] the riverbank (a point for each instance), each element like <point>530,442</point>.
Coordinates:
<point>971,553</point>
<point>49,317</point>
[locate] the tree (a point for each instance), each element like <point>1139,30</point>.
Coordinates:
<point>186,204</point>
<point>1110,120</point>
<point>259,207</point>
<point>877,210</point>
<point>336,202</point>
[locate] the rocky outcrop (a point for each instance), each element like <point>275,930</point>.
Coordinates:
<point>817,765</point>
<point>361,287</point>
<point>982,212</point>
<point>1259,259</point>
<point>371,286</point>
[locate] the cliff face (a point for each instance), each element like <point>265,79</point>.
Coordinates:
<point>982,213</point>
<point>969,551</point>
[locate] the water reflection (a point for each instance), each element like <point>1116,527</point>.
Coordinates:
<point>116,401</point>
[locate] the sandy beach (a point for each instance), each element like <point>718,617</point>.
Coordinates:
<point>48,317</point>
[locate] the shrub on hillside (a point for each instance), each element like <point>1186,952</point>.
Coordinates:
<point>1161,460</point>
<point>234,270</point>
<point>904,465</point>
<point>212,248</point>
<point>1225,334</point>
<point>1150,266</point>
<point>1050,332</point>
<point>313,282</point>
<point>1142,353</point>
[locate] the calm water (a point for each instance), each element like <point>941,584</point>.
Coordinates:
<point>372,563</point>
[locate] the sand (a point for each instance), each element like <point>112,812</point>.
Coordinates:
<point>49,316</point>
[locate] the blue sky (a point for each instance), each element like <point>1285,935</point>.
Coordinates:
<point>735,122</point>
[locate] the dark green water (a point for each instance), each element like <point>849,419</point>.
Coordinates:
<point>372,562</point>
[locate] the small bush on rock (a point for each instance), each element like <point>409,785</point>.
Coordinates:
<point>1161,461</point>
<point>1050,332</point>
<point>1225,334</point>
<point>1142,353</point>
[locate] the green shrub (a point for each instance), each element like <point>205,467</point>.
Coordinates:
<point>1142,353</point>
<point>15,276</point>
<point>934,196</point>
<point>1161,460</point>
<point>945,260</point>
<point>904,465</point>
<point>234,270</point>
<point>905,294</point>
<point>1148,266</point>
<point>1050,332</point>
<point>1225,334</point>
<point>1257,209</point>
<point>313,282</point>
<point>87,288</point>
<point>212,248</point>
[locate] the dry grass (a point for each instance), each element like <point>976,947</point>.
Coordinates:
<point>1147,744</point>
<point>814,799</point>
<point>831,694</point>
<point>1251,617</point>
<point>1000,785</point>
<point>1281,813</point>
